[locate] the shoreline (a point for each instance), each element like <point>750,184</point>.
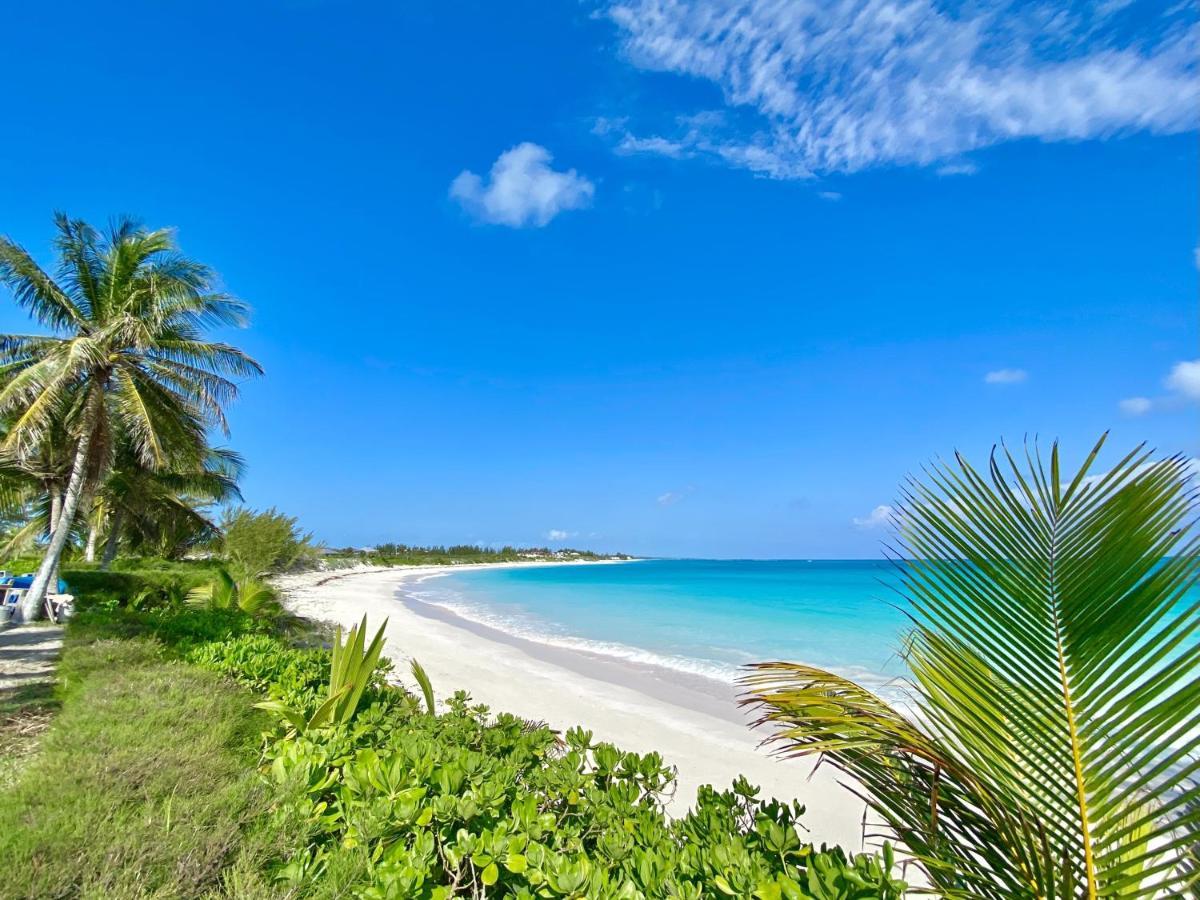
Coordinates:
<point>693,722</point>
<point>703,693</point>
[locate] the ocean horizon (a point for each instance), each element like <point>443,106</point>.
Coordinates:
<point>702,617</point>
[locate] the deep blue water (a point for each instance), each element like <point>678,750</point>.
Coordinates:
<point>706,617</point>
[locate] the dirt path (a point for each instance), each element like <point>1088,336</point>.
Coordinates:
<point>27,658</point>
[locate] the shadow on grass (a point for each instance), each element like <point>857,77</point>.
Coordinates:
<point>144,785</point>
<point>26,711</point>
<point>22,699</point>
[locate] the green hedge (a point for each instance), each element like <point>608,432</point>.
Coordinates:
<point>127,579</point>
<point>153,581</point>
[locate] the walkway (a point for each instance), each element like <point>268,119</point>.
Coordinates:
<point>28,654</point>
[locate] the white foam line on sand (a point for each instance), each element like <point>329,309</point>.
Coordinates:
<point>636,707</point>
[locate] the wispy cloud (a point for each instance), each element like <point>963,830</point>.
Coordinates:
<point>876,518</point>
<point>670,498</point>
<point>1006,376</point>
<point>815,87</point>
<point>522,189</point>
<point>829,195</point>
<point>1183,388</point>
<point>557,535</point>
<point>657,145</point>
<point>957,168</point>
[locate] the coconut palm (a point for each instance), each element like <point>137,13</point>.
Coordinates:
<point>162,511</point>
<point>32,488</point>
<point>126,363</point>
<point>1055,681</point>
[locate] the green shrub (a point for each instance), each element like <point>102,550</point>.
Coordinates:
<point>94,589</point>
<point>390,802</point>
<point>262,662</point>
<point>298,677</point>
<point>400,803</point>
<point>254,598</point>
<point>178,629</point>
<point>259,543</point>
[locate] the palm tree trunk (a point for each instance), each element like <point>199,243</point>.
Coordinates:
<point>89,554</point>
<point>112,541</point>
<point>55,515</point>
<point>55,505</point>
<point>31,604</point>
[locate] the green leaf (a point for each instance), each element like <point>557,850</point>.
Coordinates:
<point>1056,674</point>
<point>515,863</point>
<point>490,875</point>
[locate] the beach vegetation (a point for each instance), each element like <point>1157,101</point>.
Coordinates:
<point>256,543</point>
<point>160,778</point>
<point>351,671</point>
<point>422,679</point>
<point>392,554</point>
<point>251,597</point>
<point>125,371</point>
<point>1049,750</point>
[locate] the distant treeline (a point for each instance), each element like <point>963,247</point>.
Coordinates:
<point>405,554</point>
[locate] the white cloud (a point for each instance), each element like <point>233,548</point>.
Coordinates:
<point>670,498</point>
<point>818,86</point>
<point>557,534</point>
<point>877,518</point>
<point>1185,379</point>
<point>957,168</point>
<point>1191,472</point>
<point>1006,376</point>
<point>658,145</point>
<point>1182,384</point>
<point>829,195</point>
<point>522,189</point>
<point>1136,406</point>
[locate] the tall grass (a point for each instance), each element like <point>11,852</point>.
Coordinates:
<point>145,785</point>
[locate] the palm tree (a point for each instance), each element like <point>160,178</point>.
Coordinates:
<point>126,364</point>
<point>1055,681</point>
<point>32,489</point>
<point>162,511</point>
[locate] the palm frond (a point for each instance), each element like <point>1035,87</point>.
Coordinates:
<point>36,291</point>
<point>1055,674</point>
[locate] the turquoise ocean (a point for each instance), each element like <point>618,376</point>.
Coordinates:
<point>701,617</point>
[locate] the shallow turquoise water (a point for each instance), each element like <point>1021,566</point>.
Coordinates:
<point>706,617</point>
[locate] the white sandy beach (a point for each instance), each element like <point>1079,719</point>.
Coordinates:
<point>695,726</point>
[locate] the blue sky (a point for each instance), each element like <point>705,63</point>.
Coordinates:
<point>699,279</point>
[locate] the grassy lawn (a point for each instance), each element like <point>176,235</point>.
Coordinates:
<point>143,786</point>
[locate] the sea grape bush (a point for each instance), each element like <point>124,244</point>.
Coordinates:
<point>291,674</point>
<point>261,662</point>
<point>398,803</point>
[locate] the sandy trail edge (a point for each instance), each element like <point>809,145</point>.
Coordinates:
<point>629,711</point>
